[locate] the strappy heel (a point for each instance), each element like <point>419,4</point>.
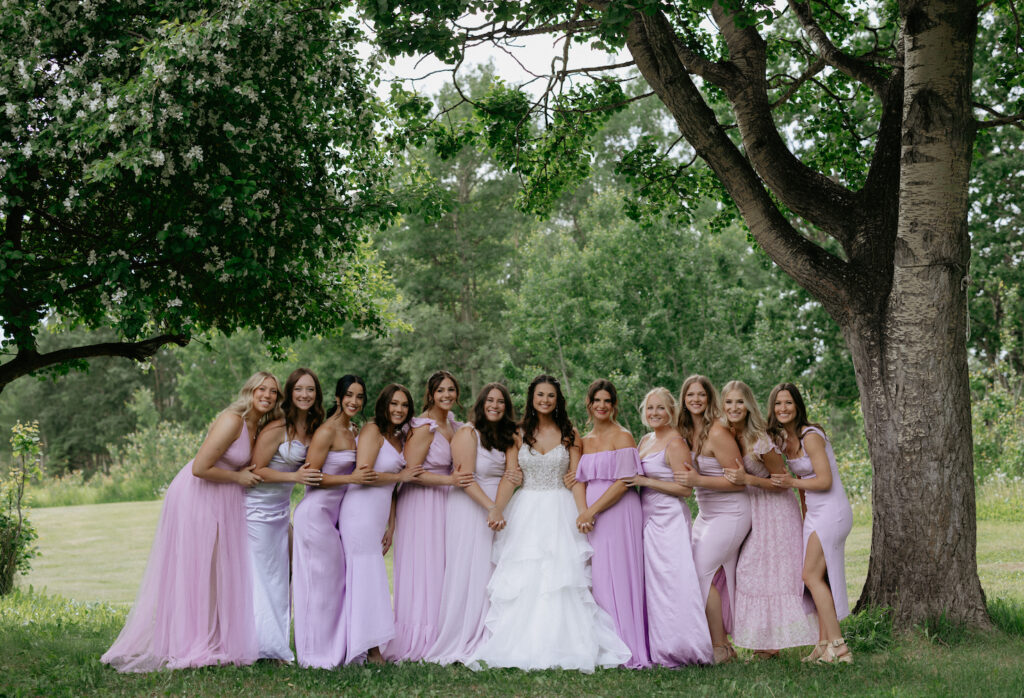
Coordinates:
<point>819,649</point>
<point>722,654</point>
<point>836,652</point>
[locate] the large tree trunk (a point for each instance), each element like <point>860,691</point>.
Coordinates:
<point>911,362</point>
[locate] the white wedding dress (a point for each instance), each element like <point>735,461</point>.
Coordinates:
<point>542,613</point>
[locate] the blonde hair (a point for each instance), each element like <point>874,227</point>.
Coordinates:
<point>670,403</point>
<point>242,405</point>
<point>694,437</point>
<point>754,428</point>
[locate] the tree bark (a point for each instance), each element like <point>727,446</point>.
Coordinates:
<point>911,362</point>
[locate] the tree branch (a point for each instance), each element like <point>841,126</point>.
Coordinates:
<point>28,361</point>
<point>812,70</point>
<point>853,67</point>
<point>1000,120</point>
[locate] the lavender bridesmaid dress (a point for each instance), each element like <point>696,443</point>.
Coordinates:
<point>468,565</point>
<point>419,553</point>
<point>318,569</point>
<point>830,516</point>
<point>617,566</point>
<point>267,517</point>
<point>194,606</point>
<point>367,617</point>
<point>722,523</point>
<point>770,612</point>
<point>677,627</point>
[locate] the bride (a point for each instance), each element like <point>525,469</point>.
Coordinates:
<point>542,613</point>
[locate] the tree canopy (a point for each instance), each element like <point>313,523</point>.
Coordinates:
<point>171,167</point>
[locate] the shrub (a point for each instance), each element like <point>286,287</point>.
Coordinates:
<point>16,533</point>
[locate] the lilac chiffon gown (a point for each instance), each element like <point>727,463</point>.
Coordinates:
<point>194,606</point>
<point>419,553</point>
<point>722,523</point>
<point>318,569</point>
<point>267,516</point>
<point>830,516</point>
<point>367,616</point>
<point>617,566</point>
<point>677,627</point>
<point>770,612</point>
<point>468,565</point>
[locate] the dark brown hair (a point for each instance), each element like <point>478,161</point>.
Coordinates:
<point>775,429</point>
<point>315,415</point>
<point>500,435</point>
<point>380,411</point>
<point>697,437</point>
<point>434,382</point>
<point>342,386</point>
<point>531,419</point>
<point>596,387</point>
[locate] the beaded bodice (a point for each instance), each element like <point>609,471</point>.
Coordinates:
<point>543,471</point>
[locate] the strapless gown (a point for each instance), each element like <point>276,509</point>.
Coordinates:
<point>318,564</point>
<point>267,516</point>
<point>830,516</point>
<point>543,614</point>
<point>194,606</point>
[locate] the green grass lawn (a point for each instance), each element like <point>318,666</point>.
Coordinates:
<point>50,646</point>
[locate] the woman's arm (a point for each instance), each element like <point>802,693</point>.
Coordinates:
<point>464,463</point>
<point>267,443</point>
<point>389,532</point>
<point>677,455</point>
<point>726,452</point>
<point>223,432</point>
<point>506,488</point>
<point>814,445</point>
<point>416,448</point>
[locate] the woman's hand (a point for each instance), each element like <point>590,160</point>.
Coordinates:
<point>495,519</point>
<point>307,475</point>
<point>385,542</point>
<point>364,475</point>
<point>410,473</point>
<point>463,480</point>
<point>737,476</point>
<point>784,481</point>
<point>248,478</point>
<point>685,477</point>
<point>569,479</point>
<point>514,476</point>
<point>586,521</point>
<point>635,481</point>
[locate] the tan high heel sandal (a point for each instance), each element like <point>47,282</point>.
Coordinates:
<point>819,649</point>
<point>722,654</point>
<point>836,652</point>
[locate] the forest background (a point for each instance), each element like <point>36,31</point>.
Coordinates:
<point>490,293</point>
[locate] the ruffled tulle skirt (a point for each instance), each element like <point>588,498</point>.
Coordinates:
<point>542,613</point>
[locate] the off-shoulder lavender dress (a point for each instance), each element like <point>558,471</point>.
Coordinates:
<point>677,627</point>
<point>318,569</point>
<point>617,566</point>
<point>723,521</point>
<point>367,616</point>
<point>419,553</point>
<point>194,606</point>
<point>770,611</point>
<point>268,517</point>
<point>468,566</point>
<point>830,516</point>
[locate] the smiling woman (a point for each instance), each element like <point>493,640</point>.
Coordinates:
<point>194,606</point>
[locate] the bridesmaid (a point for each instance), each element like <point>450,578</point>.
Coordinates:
<point>279,451</point>
<point>194,606</point>
<point>677,629</point>
<point>724,518</point>
<point>480,451</point>
<point>367,523</point>
<point>318,562</point>
<point>770,612</point>
<point>609,460</point>
<point>827,522</point>
<point>419,534</point>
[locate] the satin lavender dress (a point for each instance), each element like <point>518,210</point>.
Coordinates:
<point>617,566</point>
<point>367,617</point>
<point>722,523</point>
<point>194,606</point>
<point>677,627</point>
<point>468,566</point>
<point>830,516</point>
<point>268,516</point>
<point>419,553</point>
<point>770,610</point>
<point>318,569</point>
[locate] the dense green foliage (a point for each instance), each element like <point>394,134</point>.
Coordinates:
<point>16,531</point>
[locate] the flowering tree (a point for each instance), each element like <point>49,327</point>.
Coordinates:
<point>174,166</point>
